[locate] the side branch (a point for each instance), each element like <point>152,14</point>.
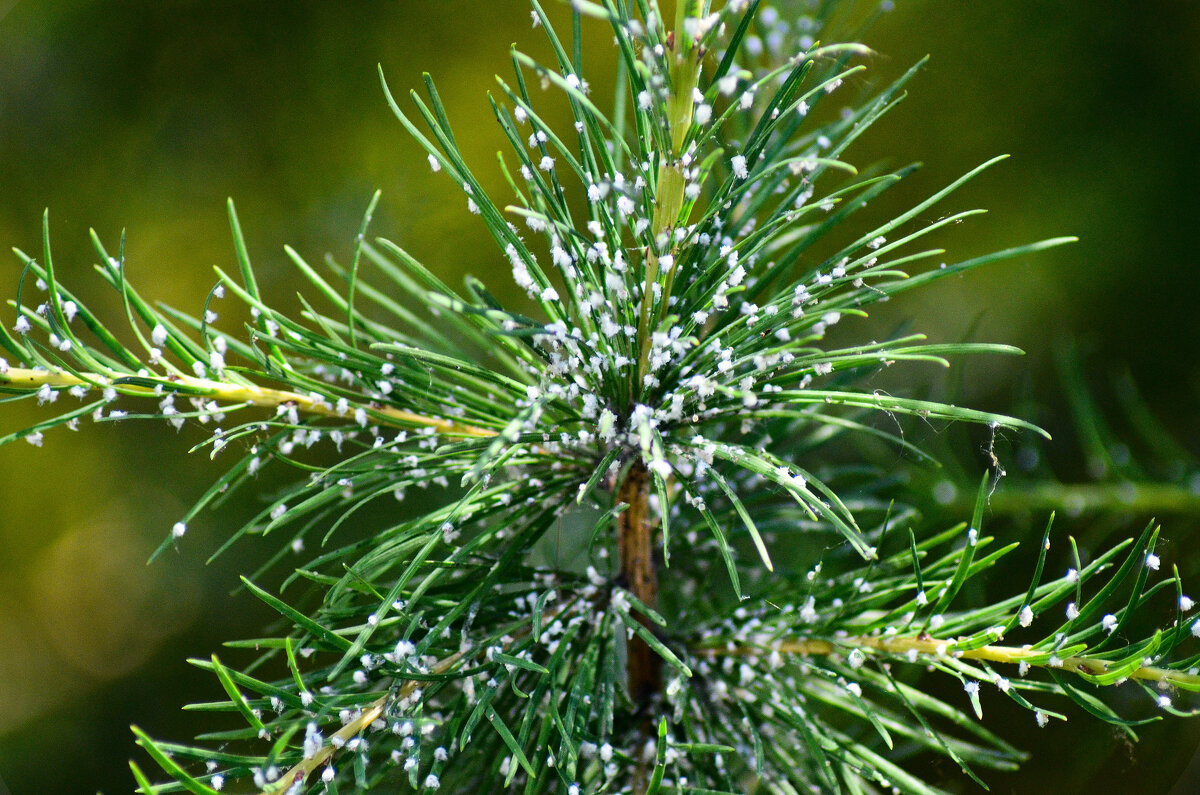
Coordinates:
<point>1133,497</point>
<point>944,649</point>
<point>374,711</point>
<point>231,394</point>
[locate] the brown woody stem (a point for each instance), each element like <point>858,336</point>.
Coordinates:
<point>635,545</point>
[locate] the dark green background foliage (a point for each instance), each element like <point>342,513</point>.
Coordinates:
<point>146,115</point>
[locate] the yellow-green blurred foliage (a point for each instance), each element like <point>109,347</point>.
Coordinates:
<point>147,114</point>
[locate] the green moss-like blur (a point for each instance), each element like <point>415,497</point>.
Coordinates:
<point>145,115</point>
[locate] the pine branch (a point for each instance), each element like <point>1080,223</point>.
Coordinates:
<point>1144,498</point>
<point>354,728</point>
<point>229,395</point>
<point>642,546</point>
<point>925,648</point>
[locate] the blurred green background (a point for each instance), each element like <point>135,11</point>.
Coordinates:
<point>145,115</point>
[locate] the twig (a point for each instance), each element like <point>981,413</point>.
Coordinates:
<point>934,647</point>
<point>301,771</point>
<point>247,394</point>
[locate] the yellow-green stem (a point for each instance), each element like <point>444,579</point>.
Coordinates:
<point>373,711</point>
<point>933,647</point>
<point>299,773</point>
<point>235,394</point>
<point>669,190</point>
